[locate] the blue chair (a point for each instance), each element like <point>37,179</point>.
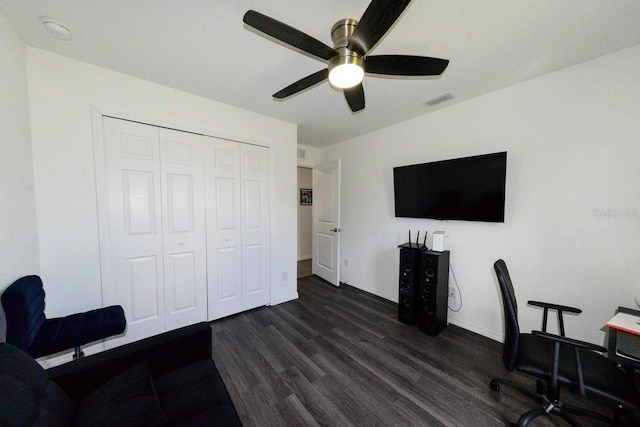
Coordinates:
<point>30,330</point>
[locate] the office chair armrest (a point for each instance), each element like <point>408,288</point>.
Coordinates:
<point>570,341</point>
<point>559,309</point>
<point>576,346</point>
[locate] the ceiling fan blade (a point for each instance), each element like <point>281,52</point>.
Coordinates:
<point>376,21</point>
<point>288,35</point>
<point>303,84</point>
<point>405,65</point>
<point>355,97</point>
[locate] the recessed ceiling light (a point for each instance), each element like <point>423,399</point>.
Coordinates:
<point>55,28</point>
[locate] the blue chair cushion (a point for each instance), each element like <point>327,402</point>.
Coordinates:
<point>23,304</point>
<point>63,333</point>
<point>30,330</point>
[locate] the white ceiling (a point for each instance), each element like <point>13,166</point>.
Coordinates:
<point>203,47</point>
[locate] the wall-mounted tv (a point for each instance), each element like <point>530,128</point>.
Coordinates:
<point>469,189</point>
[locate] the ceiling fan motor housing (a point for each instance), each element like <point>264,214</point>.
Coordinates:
<point>341,34</point>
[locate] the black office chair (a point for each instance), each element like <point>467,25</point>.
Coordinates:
<point>30,330</point>
<point>560,361</point>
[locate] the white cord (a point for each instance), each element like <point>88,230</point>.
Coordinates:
<point>458,290</point>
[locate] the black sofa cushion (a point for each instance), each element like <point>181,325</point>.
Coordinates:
<point>27,397</point>
<point>165,353</point>
<point>180,358</point>
<point>195,395</point>
<point>129,399</point>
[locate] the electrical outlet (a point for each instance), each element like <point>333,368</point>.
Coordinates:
<point>285,276</point>
<point>346,262</point>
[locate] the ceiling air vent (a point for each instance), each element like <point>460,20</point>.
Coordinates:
<point>437,99</point>
<point>302,154</point>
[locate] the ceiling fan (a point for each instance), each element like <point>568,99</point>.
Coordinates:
<point>348,59</point>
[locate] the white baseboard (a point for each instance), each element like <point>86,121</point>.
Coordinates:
<point>285,299</point>
<point>496,336</point>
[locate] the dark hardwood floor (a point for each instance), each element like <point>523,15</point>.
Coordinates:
<point>339,357</point>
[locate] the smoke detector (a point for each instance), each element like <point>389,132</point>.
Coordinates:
<point>55,28</point>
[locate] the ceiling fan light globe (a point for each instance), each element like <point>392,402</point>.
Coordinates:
<point>345,76</point>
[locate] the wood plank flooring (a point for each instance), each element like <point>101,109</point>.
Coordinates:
<point>304,268</point>
<point>339,357</point>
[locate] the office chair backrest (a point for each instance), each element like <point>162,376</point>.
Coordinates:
<point>511,327</point>
<point>23,304</point>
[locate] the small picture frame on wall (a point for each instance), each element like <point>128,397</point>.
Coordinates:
<point>306,196</point>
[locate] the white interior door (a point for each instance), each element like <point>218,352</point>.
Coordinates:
<point>326,222</point>
<point>256,226</point>
<point>131,247</point>
<point>184,240</point>
<point>224,228</point>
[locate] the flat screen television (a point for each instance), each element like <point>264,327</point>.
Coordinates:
<point>469,189</point>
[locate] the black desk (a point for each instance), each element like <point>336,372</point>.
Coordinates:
<point>624,347</point>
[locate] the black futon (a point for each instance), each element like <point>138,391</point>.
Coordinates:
<point>168,379</point>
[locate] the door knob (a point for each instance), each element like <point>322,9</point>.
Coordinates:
<point>335,230</point>
<point>181,243</point>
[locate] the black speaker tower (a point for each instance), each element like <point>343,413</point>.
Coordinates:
<point>433,293</point>
<point>409,283</point>
<point>423,287</point>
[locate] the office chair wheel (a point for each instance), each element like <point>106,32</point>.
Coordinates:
<point>494,385</point>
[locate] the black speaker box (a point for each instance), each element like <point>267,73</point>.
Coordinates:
<point>433,291</point>
<point>409,283</point>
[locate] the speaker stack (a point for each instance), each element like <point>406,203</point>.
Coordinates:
<point>409,283</point>
<point>423,287</point>
<point>433,293</point>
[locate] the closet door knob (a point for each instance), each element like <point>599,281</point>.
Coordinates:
<point>182,243</point>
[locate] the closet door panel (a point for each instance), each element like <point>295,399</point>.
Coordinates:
<point>132,245</point>
<point>228,260</point>
<point>183,207</point>
<point>144,290</point>
<point>224,250</point>
<point>182,270</point>
<point>256,277</point>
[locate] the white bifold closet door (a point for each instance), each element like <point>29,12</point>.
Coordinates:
<point>238,224</point>
<point>153,243</point>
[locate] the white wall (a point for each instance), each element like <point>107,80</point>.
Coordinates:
<point>305,215</point>
<point>61,93</point>
<point>573,142</point>
<point>19,242</point>
<point>312,158</point>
